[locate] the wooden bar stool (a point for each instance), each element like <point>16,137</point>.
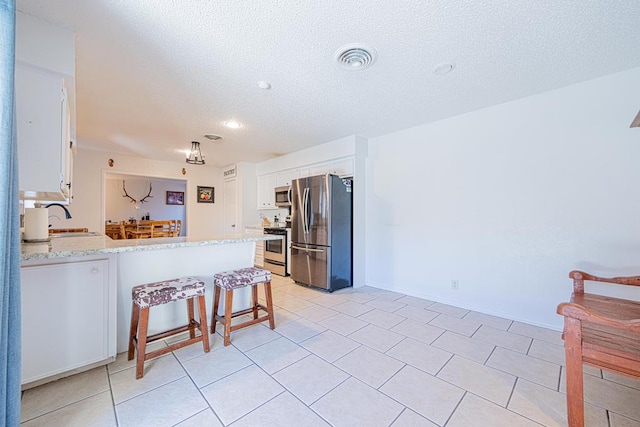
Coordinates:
<point>236,279</point>
<point>158,293</point>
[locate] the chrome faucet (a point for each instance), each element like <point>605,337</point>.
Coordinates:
<point>67,215</point>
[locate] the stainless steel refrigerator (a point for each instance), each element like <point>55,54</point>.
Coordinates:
<point>321,231</point>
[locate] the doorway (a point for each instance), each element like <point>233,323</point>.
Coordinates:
<point>136,197</point>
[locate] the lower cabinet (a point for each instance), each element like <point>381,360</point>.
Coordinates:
<point>68,317</point>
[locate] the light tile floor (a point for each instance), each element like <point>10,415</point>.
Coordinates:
<point>363,357</point>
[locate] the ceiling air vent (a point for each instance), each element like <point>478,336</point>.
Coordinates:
<point>355,57</point>
<point>213,137</point>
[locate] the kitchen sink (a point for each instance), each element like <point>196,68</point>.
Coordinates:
<point>74,234</point>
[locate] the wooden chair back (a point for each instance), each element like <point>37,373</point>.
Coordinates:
<point>115,231</point>
<point>163,228</point>
<point>599,331</point>
<point>141,230</point>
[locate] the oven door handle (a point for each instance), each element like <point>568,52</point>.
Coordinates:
<point>306,249</point>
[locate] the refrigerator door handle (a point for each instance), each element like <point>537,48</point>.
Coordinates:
<point>305,201</point>
<point>306,249</point>
<point>304,211</point>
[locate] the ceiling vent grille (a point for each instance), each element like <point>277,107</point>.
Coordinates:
<point>355,57</point>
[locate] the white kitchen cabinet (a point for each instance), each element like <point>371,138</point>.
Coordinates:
<point>68,316</point>
<point>318,169</point>
<point>284,178</point>
<point>266,194</point>
<point>342,167</point>
<point>259,254</point>
<point>43,130</point>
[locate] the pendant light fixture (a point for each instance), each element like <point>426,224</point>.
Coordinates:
<point>195,155</point>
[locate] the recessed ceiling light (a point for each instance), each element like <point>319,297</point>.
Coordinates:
<point>232,124</point>
<point>355,56</point>
<point>443,68</point>
<point>212,136</point>
<point>264,85</point>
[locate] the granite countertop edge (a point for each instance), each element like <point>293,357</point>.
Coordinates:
<point>93,245</point>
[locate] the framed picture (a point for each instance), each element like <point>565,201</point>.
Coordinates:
<point>175,197</point>
<point>205,194</point>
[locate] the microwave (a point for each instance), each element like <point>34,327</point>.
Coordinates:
<point>283,196</point>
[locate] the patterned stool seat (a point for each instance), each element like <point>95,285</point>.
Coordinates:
<point>152,294</point>
<point>235,279</point>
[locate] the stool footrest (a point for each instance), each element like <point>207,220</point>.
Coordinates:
<point>246,311</point>
<point>172,347</point>
<point>243,324</point>
<point>179,329</point>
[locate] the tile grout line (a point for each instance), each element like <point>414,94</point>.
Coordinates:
<point>199,390</point>
<point>456,408</point>
<point>513,389</point>
<point>113,400</point>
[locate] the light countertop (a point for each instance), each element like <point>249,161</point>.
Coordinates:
<point>91,245</point>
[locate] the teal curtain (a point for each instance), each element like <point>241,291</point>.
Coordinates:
<point>10,341</point>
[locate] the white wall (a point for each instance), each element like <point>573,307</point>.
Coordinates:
<point>90,167</point>
<point>120,208</point>
<point>508,199</point>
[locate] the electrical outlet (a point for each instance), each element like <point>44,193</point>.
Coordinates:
<point>454,285</point>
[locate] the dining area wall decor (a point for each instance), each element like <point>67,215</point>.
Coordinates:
<point>175,198</point>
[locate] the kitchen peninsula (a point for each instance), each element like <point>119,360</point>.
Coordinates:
<point>76,293</point>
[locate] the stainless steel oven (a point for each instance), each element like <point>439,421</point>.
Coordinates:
<point>275,251</point>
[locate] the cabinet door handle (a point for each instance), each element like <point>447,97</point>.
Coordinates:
<point>95,270</point>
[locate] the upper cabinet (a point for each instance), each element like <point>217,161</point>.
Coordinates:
<point>44,144</point>
<point>341,168</point>
<point>266,194</point>
<point>45,109</point>
<point>284,178</point>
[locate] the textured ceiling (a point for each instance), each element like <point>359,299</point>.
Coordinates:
<point>153,75</point>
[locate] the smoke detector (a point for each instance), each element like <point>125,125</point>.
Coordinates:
<point>444,68</point>
<point>355,57</point>
<point>212,137</point>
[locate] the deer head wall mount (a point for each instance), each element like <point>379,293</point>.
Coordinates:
<point>134,201</point>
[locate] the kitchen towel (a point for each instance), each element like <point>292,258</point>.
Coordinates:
<point>36,224</point>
